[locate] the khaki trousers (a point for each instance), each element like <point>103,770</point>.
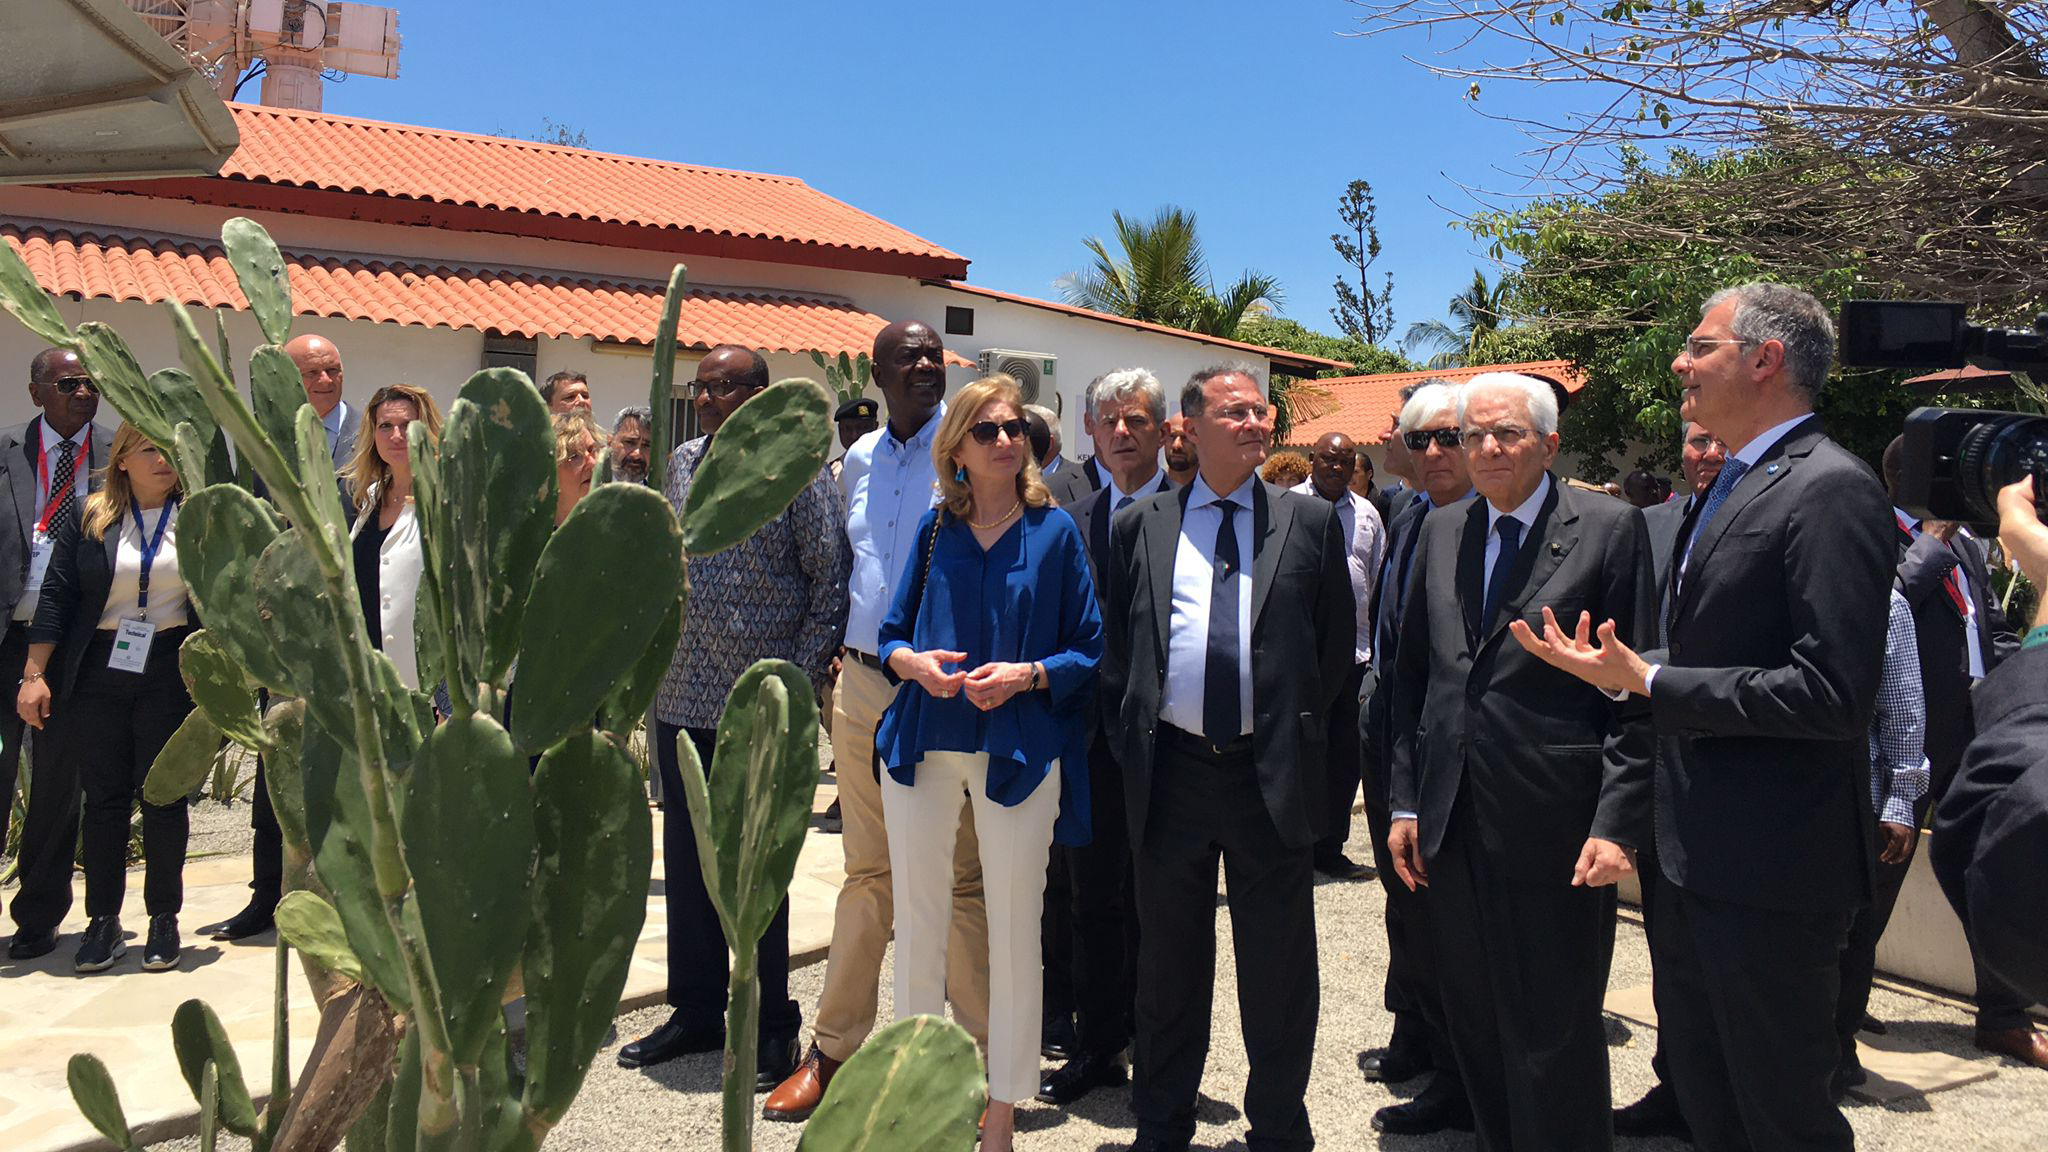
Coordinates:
<point>865,916</point>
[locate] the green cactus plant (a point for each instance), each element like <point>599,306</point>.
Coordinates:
<point>915,1086</point>
<point>433,866</point>
<point>847,376</point>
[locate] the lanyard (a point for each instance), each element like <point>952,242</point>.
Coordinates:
<point>43,475</point>
<point>150,546</point>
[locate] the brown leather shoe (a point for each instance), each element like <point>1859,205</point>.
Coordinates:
<point>2025,1045</point>
<point>797,1097</point>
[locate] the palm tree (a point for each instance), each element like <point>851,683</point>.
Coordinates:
<point>1159,274</point>
<point>1475,312</point>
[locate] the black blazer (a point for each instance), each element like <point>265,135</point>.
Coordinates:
<point>1764,700</point>
<point>1092,516</point>
<point>1303,625</point>
<point>1990,842</point>
<point>1924,565</point>
<point>75,588</point>
<point>1074,482</point>
<point>1548,759</point>
<point>1663,522</point>
<point>18,447</point>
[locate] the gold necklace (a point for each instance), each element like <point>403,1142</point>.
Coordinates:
<point>998,520</point>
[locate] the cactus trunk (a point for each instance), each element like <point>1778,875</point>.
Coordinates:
<point>742,1043</point>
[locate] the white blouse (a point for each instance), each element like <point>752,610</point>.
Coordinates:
<point>399,562</point>
<point>167,597</point>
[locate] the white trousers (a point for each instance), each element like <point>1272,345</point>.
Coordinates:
<point>923,820</point>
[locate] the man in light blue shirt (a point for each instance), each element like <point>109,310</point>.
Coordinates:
<point>889,483</point>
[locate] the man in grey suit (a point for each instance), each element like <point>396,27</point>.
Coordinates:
<point>1229,622</point>
<point>1074,481</point>
<point>46,467</point>
<point>1699,461</point>
<point>320,373</point>
<point>1762,701</point>
<point>1520,793</point>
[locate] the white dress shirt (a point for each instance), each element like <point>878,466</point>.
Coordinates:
<point>1365,539</point>
<point>167,596</point>
<point>400,561</point>
<point>889,485</point>
<point>1194,574</point>
<point>1526,512</point>
<point>81,456</point>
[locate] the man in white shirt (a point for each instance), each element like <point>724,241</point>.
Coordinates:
<point>1332,464</point>
<point>46,467</point>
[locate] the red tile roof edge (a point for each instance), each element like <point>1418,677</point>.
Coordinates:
<point>1314,363</point>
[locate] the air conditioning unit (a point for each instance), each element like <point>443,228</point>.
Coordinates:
<point>1033,372</point>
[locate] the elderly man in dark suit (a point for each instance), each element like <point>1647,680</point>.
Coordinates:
<point>1229,625</point>
<point>46,467</point>
<point>1520,793</point>
<point>1762,702</point>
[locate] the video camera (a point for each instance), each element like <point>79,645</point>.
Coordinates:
<point>1956,459</point>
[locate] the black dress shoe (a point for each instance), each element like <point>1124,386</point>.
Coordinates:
<point>160,951</point>
<point>774,1060</point>
<point>1872,1025</point>
<point>1439,1107</point>
<point>1155,1144</point>
<point>1057,1039</point>
<point>1656,1114</point>
<point>1848,1074</point>
<point>1388,1066</point>
<point>252,920</point>
<point>676,1037</point>
<point>102,945</point>
<point>1080,1076</point>
<point>29,945</point>
<point>1342,867</point>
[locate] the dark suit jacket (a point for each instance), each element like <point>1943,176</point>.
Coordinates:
<point>1547,759</point>
<point>1663,522</point>
<point>1990,842</point>
<point>1303,626</point>
<point>1074,482</point>
<point>1092,516</point>
<point>74,596</point>
<point>1924,565</point>
<point>1764,699</point>
<point>18,447</point>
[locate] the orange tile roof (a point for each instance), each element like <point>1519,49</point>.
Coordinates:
<point>1363,407</point>
<point>523,303</point>
<point>523,186</point>
<point>1300,363</point>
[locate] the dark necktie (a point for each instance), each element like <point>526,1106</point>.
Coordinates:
<point>1222,719</point>
<point>1731,475</point>
<point>60,482</point>
<point>1510,530</point>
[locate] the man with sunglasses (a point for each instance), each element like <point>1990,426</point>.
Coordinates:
<point>1427,431</point>
<point>47,465</point>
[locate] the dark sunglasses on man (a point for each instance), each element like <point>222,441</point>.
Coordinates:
<point>985,432</point>
<point>69,384</point>
<point>1419,439</point>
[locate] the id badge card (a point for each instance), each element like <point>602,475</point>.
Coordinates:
<point>38,561</point>
<point>131,646</point>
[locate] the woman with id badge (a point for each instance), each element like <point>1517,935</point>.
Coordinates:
<point>102,680</point>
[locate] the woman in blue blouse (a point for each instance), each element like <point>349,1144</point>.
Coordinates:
<point>995,627</point>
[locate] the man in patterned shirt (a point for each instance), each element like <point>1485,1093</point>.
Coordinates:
<point>780,593</point>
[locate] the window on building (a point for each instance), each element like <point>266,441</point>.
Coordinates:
<point>503,351</point>
<point>959,321</point>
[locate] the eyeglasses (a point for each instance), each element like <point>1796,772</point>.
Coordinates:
<point>722,389</point>
<point>1703,444</point>
<point>986,431</point>
<point>1418,440</point>
<point>1240,413</point>
<point>1505,435</point>
<point>1698,347</point>
<point>69,384</point>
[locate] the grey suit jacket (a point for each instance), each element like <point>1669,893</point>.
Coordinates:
<point>343,447</point>
<point>1074,482</point>
<point>1765,694</point>
<point>1303,625</point>
<point>1547,759</point>
<point>18,517</point>
<point>1092,516</point>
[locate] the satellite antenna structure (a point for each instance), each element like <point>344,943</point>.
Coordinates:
<point>295,42</point>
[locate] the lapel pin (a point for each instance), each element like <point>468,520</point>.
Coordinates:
<point>1770,469</point>
<point>1556,549</point>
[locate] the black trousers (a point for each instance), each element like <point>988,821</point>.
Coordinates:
<point>1342,765</point>
<point>1411,992</point>
<point>1524,958</point>
<point>1105,926</point>
<point>698,959</point>
<point>266,847</point>
<point>1205,808</point>
<point>1746,1002</point>
<point>111,726</point>
<point>1649,880</point>
<point>1056,938</point>
<point>49,829</point>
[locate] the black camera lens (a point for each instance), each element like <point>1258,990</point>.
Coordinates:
<point>2000,451</point>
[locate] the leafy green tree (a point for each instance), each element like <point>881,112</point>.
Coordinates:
<point>1294,399</point>
<point>1475,312</point>
<point>1363,313</point>
<point>1159,273</point>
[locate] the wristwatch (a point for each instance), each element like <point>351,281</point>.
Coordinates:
<point>1034,677</point>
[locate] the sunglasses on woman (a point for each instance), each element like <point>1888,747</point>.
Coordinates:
<point>985,432</point>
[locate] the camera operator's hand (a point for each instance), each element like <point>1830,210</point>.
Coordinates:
<point>2025,539</point>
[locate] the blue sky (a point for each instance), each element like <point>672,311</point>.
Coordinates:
<point>1004,132</point>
